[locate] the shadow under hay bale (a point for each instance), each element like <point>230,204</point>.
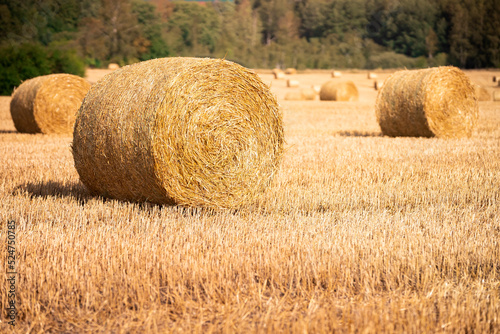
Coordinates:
<point>438,102</point>
<point>188,131</point>
<point>48,104</point>
<point>339,91</point>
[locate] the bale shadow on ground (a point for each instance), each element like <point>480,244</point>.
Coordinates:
<point>8,131</point>
<point>75,190</point>
<point>355,133</point>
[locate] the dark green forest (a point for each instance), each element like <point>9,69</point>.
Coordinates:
<point>45,36</point>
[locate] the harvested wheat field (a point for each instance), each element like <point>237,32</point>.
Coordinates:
<point>358,232</point>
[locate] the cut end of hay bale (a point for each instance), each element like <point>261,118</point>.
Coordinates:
<point>339,91</point>
<point>48,104</point>
<point>438,102</point>
<point>292,83</point>
<point>190,131</point>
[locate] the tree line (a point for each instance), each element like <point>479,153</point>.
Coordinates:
<point>67,35</point>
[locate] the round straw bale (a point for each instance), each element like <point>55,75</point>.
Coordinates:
<point>279,75</point>
<point>292,83</point>
<point>48,104</point>
<point>294,96</point>
<point>290,71</point>
<point>438,102</point>
<point>187,131</point>
<point>496,96</point>
<point>482,93</point>
<point>336,74</point>
<point>371,75</point>
<point>113,66</point>
<point>317,88</point>
<point>308,93</point>
<point>339,91</point>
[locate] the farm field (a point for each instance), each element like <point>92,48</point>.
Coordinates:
<point>358,233</point>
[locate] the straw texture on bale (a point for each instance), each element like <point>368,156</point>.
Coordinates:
<point>496,96</point>
<point>438,102</point>
<point>188,131</point>
<point>48,104</point>
<point>339,91</point>
<point>290,71</point>
<point>336,74</point>
<point>482,93</point>
<point>292,83</point>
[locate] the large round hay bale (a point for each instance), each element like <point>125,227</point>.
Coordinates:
<point>48,104</point>
<point>438,102</point>
<point>188,131</point>
<point>292,83</point>
<point>308,94</point>
<point>336,74</point>
<point>339,91</point>
<point>290,71</point>
<point>482,93</point>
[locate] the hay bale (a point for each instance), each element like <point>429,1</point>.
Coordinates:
<point>496,96</point>
<point>294,96</point>
<point>317,88</point>
<point>482,93</point>
<point>438,102</point>
<point>339,91</point>
<point>308,94</point>
<point>371,75</point>
<point>292,83</point>
<point>279,75</point>
<point>336,74</point>
<point>113,66</point>
<point>494,78</point>
<point>290,71</point>
<point>189,131</point>
<point>48,104</point>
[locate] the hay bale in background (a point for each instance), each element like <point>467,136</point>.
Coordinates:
<point>494,78</point>
<point>371,75</point>
<point>292,83</point>
<point>290,71</point>
<point>308,94</point>
<point>113,66</point>
<point>48,104</point>
<point>437,102</point>
<point>317,88</point>
<point>279,74</point>
<point>190,131</point>
<point>336,74</point>
<point>339,91</point>
<point>482,93</point>
<point>496,96</point>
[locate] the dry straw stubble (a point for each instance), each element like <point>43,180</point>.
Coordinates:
<point>189,131</point>
<point>438,102</point>
<point>339,91</point>
<point>48,104</point>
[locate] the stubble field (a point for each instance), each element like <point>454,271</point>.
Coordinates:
<point>358,233</point>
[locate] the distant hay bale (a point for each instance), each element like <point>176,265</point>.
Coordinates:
<point>188,131</point>
<point>482,93</point>
<point>496,96</point>
<point>113,66</point>
<point>279,74</point>
<point>336,74</point>
<point>317,88</point>
<point>371,75</point>
<point>292,83</point>
<point>48,104</point>
<point>294,96</point>
<point>290,71</point>
<point>339,91</point>
<point>308,94</point>
<point>494,78</point>
<point>438,102</point>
